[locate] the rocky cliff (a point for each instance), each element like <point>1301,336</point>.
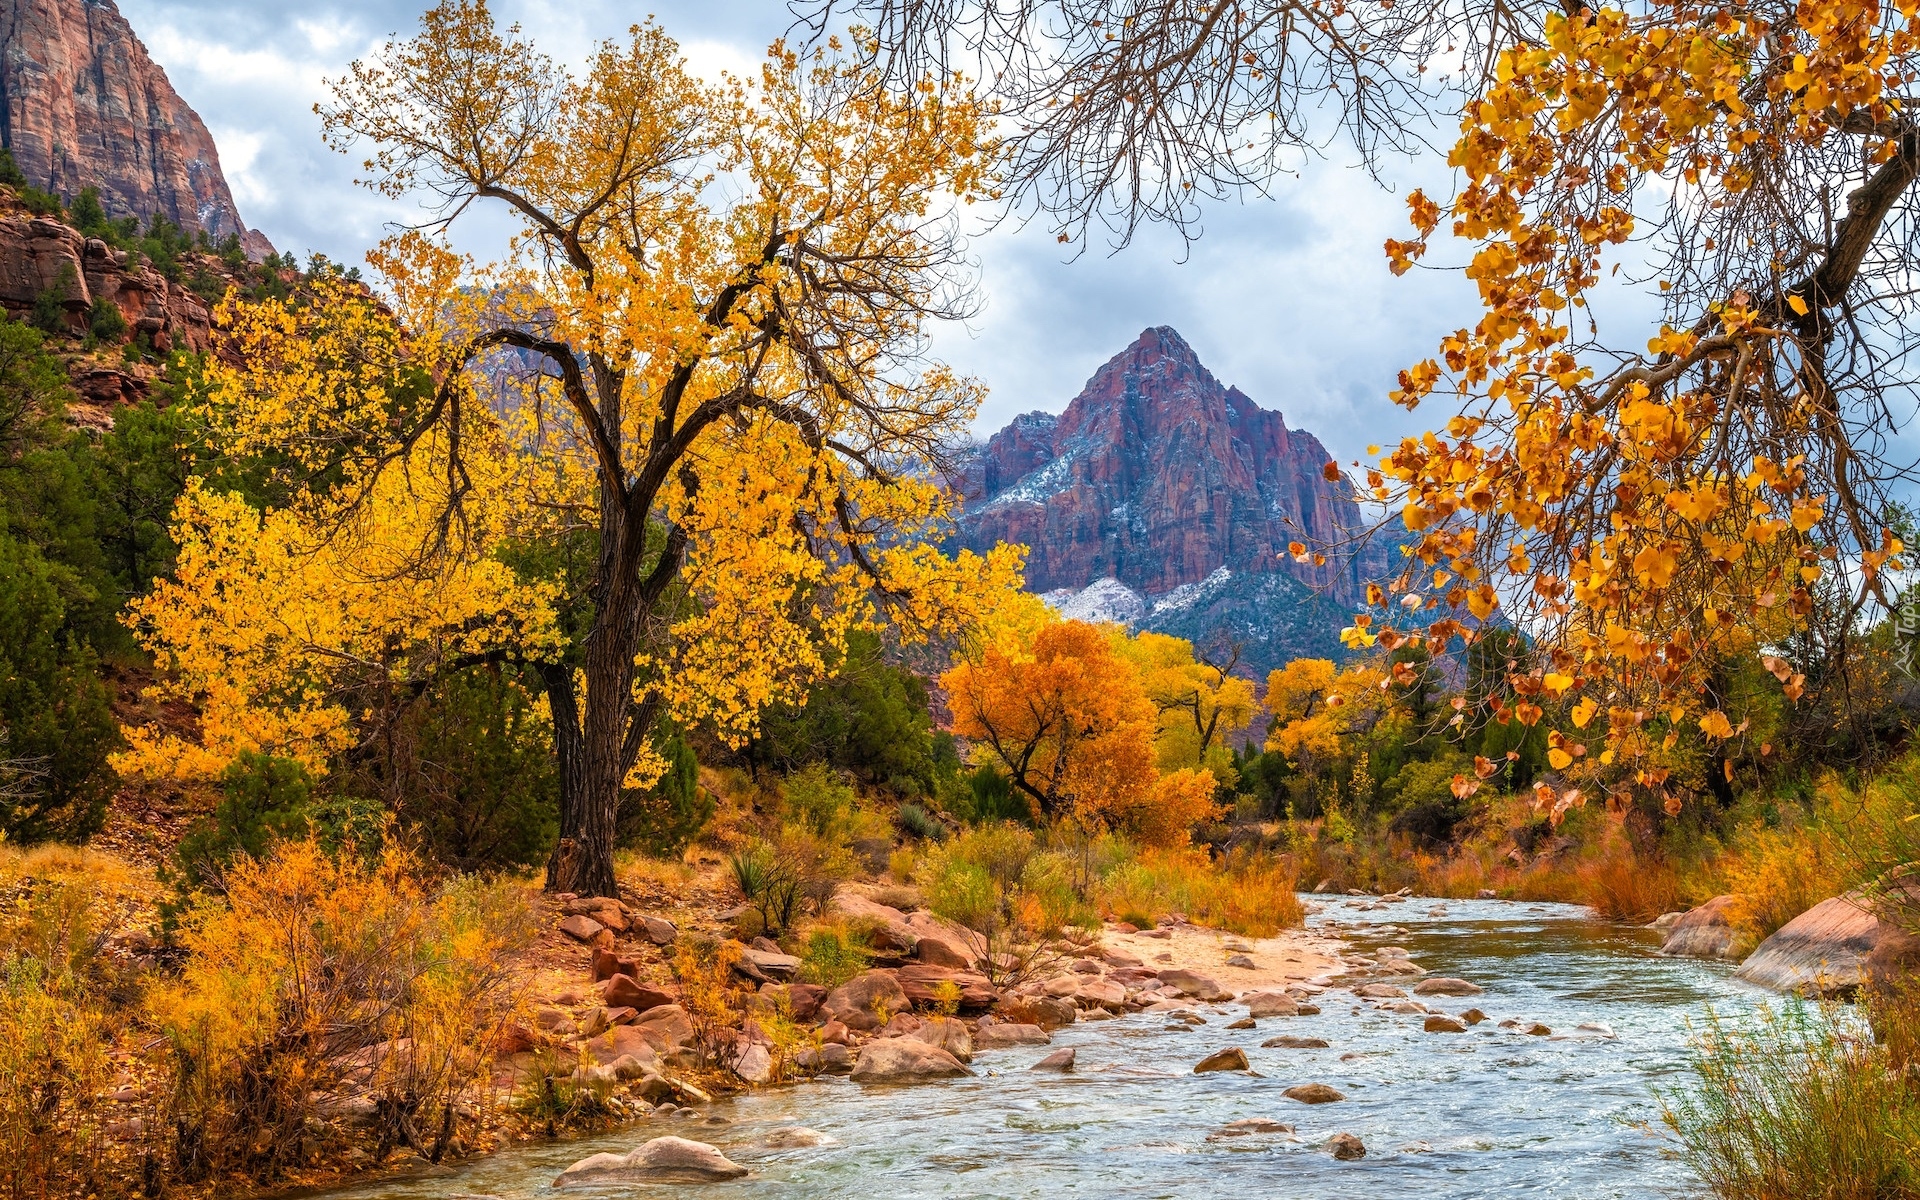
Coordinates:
<point>1166,499</point>
<point>82,105</point>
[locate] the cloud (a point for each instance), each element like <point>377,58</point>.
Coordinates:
<point>1289,298</point>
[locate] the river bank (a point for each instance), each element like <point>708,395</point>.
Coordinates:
<point>1569,1112</point>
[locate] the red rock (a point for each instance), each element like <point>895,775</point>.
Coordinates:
<point>580,929</point>
<point>87,107</point>
<point>919,979</point>
<point>623,991</point>
<point>935,952</point>
<point>607,964</point>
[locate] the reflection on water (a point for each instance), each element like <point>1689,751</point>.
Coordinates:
<point>1492,1112</point>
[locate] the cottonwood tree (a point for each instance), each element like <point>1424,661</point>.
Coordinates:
<point>695,370</point>
<point>1069,720</point>
<point>1645,501</point>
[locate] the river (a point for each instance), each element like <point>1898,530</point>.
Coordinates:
<point>1491,1112</point>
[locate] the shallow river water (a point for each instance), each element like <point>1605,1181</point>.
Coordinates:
<point>1492,1112</point>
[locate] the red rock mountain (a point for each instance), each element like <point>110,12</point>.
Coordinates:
<point>1158,475</point>
<point>82,105</point>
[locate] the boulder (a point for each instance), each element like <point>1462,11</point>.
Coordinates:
<point>831,1058</point>
<point>666,1028</point>
<point>607,964</point>
<point>1703,932</point>
<point>1313,1093</point>
<point>1441,1023</point>
<point>1101,993</point>
<point>1289,1042</point>
<point>1346,1147</point>
<point>662,1160</point>
<point>629,1067</point>
<point>754,1063</point>
<point>904,1060</point>
<point>623,991</point>
<point>659,930</point>
<point>580,928</point>
<point>1381,991</point>
<point>1442,985</point>
<point>1051,1012</point>
<point>1192,983</point>
<point>948,1033</point>
<point>1271,1004</point>
<point>1243,1023</point>
<point>1821,952</point>
<point>920,979</point>
<point>802,999</point>
<point>938,952</point>
<point>1473,1016</point>
<point>772,963</point>
<point>894,934</point>
<point>853,1003</point>
<point>1233,1058</point>
<point>1008,1034</point>
<point>624,1041</point>
<point>1060,1061</point>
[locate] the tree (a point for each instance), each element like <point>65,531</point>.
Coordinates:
<point>1319,711</point>
<point>1201,703</point>
<point>702,347</point>
<point>1645,513</point>
<point>1072,727</point>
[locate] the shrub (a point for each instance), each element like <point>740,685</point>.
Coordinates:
<point>1797,1103</point>
<point>920,823</point>
<point>324,971</point>
<point>997,881</point>
<point>10,172</point>
<point>49,314</point>
<point>470,769</point>
<point>262,799</point>
<point>105,321</point>
<point>704,970</point>
<point>833,954</point>
<point>663,819</point>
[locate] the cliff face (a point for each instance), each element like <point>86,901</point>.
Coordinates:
<point>1158,476</point>
<point>82,105</point>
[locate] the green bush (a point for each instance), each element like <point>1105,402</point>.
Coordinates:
<point>263,798</point>
<point>922,824</point>
<point>832,955</point>
<point>105,321</point>
<point>50,304</point>
<point>470,770</point>
<point>10,172</point>
<point>664,819</point>
<point>870,717</point>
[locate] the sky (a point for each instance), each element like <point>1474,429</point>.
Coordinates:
<point>1287,297</point>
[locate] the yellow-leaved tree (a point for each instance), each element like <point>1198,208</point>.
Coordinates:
<point>1201,702</point>
<point>668,447</point>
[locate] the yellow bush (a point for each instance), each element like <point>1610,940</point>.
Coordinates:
<point>53,1044</point>
<point>324,973</point>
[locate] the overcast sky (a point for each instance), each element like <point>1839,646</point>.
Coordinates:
<point>1289,298</point>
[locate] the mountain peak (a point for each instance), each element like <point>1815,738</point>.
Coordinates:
<point>1159,481</point>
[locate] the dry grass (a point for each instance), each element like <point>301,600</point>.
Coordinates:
<point>1248,894</point>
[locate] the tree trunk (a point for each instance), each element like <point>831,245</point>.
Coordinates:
<point>590,739</point>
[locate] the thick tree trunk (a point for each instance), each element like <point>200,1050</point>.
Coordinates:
<point>593,748</point>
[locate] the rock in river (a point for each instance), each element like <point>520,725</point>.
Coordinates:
<point>854,1001</point>
<point>1703,932</point>
<point>1060,1061</point>
<point>1272,1004</point>
<point>1313,1093</point>
<point>1233,1058</point>
<point>1442,985</point>
<point>904,1060</point>
<point>1251,1126</point>
<point>662,1160</point>
<point>1289,1042</point>
<point>1441,1023</point>
<point>1347,1147</point>
<point>797,1137</point>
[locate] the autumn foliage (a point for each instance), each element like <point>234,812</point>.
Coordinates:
<point>1068,718</point>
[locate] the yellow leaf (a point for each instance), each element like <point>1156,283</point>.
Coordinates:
<point>1716,725</point>
<point>1797,305</point>
<point>1560,759</point>
<point>1583,712</point>
<point>1557,683</point>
